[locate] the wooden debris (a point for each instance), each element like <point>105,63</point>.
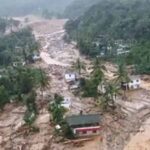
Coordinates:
<point>78,141</point>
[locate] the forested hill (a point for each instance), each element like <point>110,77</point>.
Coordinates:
<point>116,18</point>
<point>78,8</point>
<point>25,7</point>
<point>112,20</point>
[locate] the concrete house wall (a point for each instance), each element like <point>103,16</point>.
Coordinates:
<point>70,77</point>
<point>134,84</point>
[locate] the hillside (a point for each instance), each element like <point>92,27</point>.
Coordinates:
<point>78,8</point>
<point>112,20</point>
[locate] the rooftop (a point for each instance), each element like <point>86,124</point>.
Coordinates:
<point>83,119</point>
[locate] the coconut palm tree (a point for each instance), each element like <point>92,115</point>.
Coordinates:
<point>122,76</point>
<point>98,70</point>
<point>57,111</point>
<point>44,81</point>
<point>108,98</point>
<point>111,91</point>
<point>98,63</point>
<point>31,112</point>
<point>97,76</point>
<point>78,65</point>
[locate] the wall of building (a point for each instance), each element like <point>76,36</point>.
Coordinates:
<point>87,131</point>
<point>134,84</point>
<point>70,77</point>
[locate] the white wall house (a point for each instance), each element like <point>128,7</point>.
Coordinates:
<point>70,77</point>
<point>16,64</point>
<point>122,48</point>
<point>66,103</point>
<point>135,83</point>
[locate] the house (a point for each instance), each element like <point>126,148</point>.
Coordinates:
<point>16,64</point>
<point>66,103</point>
<point>36,57</point>
<point>101,88</point>
<point>102,54</point>
<point>75,86</point>
<point>121,51</point>
<point>70,77</point>
<point>122,47</point>
<point>84,125</point>
<point>133,84</point>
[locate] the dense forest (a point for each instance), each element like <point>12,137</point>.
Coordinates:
<point>112,20</point>
<point>25,7</point>
<point>18,80</point>
<point>78,8</point>
<point>15,46</point>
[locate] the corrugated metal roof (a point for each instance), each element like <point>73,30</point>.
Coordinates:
<point>83,119</point>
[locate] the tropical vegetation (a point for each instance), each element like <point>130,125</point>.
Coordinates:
<point>99,29</point>
<point>18,80</point>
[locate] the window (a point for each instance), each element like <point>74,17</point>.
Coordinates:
<point>137,80</point>
<point>94,131</point>
<point>84,132</point>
